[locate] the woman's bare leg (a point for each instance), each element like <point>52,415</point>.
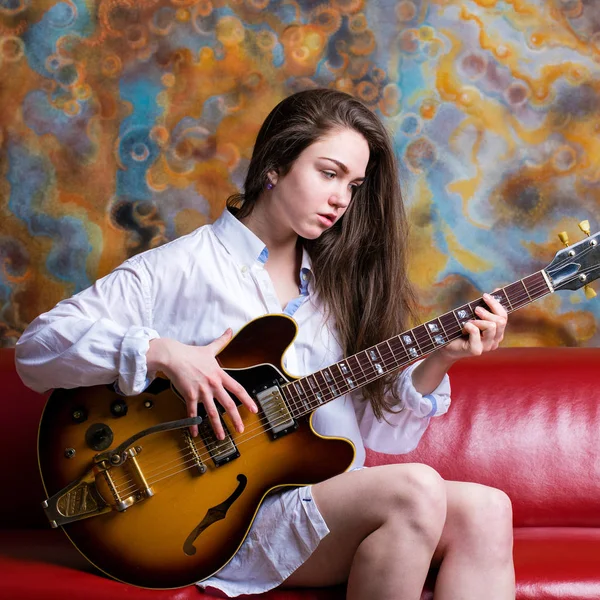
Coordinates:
<point>389,524</point>
<point>385,525</point>
<point>475,552</point>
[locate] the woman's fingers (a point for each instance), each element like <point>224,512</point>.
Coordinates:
<point>216,391</point>
<point>482,336</point>
<point>230,407</point>
<point>213,415</point>
<point>497,314</point>
<point>239,392</point>
<point>474,343</point>
<point>192,410</point>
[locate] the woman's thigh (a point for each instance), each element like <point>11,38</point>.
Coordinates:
<point>356,503</point>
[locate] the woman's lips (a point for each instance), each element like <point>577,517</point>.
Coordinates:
<point>326,220</point>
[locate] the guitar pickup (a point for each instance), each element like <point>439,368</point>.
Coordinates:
<point>275,409</point>
<point>221,451</point>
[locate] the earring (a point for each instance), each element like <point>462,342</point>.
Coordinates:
<point>270,186</point>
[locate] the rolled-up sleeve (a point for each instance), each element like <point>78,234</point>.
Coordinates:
<point>100,335</point>
<point>400,432</point>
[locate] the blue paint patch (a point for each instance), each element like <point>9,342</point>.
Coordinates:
<point>30,178</point>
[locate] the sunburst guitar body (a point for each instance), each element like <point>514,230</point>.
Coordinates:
<point>167,509</point>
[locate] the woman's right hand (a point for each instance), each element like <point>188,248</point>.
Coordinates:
<point>196,374</point>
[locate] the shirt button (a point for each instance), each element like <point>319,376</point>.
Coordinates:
<point>244,269</point>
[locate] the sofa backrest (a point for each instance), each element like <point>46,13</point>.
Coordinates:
<point>20,412</point>
<point>525,420</point>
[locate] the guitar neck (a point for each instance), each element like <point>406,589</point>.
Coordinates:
<point>305,394</point>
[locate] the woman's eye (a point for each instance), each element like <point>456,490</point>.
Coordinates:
<point>328,174</point>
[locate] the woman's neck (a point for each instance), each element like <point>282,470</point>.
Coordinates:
<point>281,243</point>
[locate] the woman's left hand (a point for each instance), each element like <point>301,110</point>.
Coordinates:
<point>485,333</point>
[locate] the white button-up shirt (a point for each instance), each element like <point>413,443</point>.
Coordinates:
<point>192,290</point>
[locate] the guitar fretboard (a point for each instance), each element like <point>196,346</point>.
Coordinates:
<point>308,393</point>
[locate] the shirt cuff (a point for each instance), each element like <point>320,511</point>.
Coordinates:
<point>133,372</point>
<point>429,405</point>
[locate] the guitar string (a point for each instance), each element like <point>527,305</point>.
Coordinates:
<point>385,358</point>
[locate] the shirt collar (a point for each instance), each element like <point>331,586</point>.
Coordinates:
<point>238,240</point>
<point>246,247</point>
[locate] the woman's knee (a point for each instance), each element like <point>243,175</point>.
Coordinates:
<point>486,517</point>
<point>417,495</point>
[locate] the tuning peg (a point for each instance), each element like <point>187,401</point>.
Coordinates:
<point>589,292</point>
<point>563,236</point>
<point>585,227</point>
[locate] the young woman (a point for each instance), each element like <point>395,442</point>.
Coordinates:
<point>318,233</point>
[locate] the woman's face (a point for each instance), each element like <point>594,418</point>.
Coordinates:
<point>318,189</point>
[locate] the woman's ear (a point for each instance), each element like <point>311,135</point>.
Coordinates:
<point>273,177</point>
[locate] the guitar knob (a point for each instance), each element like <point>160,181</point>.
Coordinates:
<point>118,408</point>
<point>99,436</point>
<point>563,236</point>
<point>79,414</point>
<point>585,227</point>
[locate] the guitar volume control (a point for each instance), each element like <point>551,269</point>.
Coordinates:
<point>118,408</point>
<point>79,414</point>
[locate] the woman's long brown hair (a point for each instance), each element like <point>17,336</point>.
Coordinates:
<point>359,264</point>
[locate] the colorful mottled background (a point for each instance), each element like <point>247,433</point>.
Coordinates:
<point>126,123</point>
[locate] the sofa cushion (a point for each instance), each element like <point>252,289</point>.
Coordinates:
<point>557,563</point>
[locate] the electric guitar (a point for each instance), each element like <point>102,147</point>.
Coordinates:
<point>149,505</point>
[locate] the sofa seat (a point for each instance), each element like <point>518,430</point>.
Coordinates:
<point>550,563</point>
<point>37,563</point>
<point>557,562</point>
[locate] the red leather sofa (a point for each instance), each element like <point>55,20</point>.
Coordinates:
<point>524,420</point>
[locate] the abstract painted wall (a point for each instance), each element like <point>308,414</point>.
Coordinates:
<point>126,123</point>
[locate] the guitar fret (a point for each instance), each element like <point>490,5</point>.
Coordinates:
<point>287,396</point>
<point>392,354</point>
<point>525,288</point>
<point>343,380</point>
<point>516,294</point>
<point>448,322</point>
<point>408,341</point>
<point>307,393</point>
<point>375,360</point>
<point>322,395</point>
<point>345,369</point>
<point>537,282</point>
<point>301,395</point>
<point>397,341</point>
<point>433,329</point>
<point>463,315</point>
<point>330,379</point>
<point>416,332</point>
<point>429,334</point>
<point>315,389</point>
<point>365,365</point>
<point>362,375</point>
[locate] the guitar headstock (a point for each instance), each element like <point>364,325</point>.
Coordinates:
<point>575,266</point>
